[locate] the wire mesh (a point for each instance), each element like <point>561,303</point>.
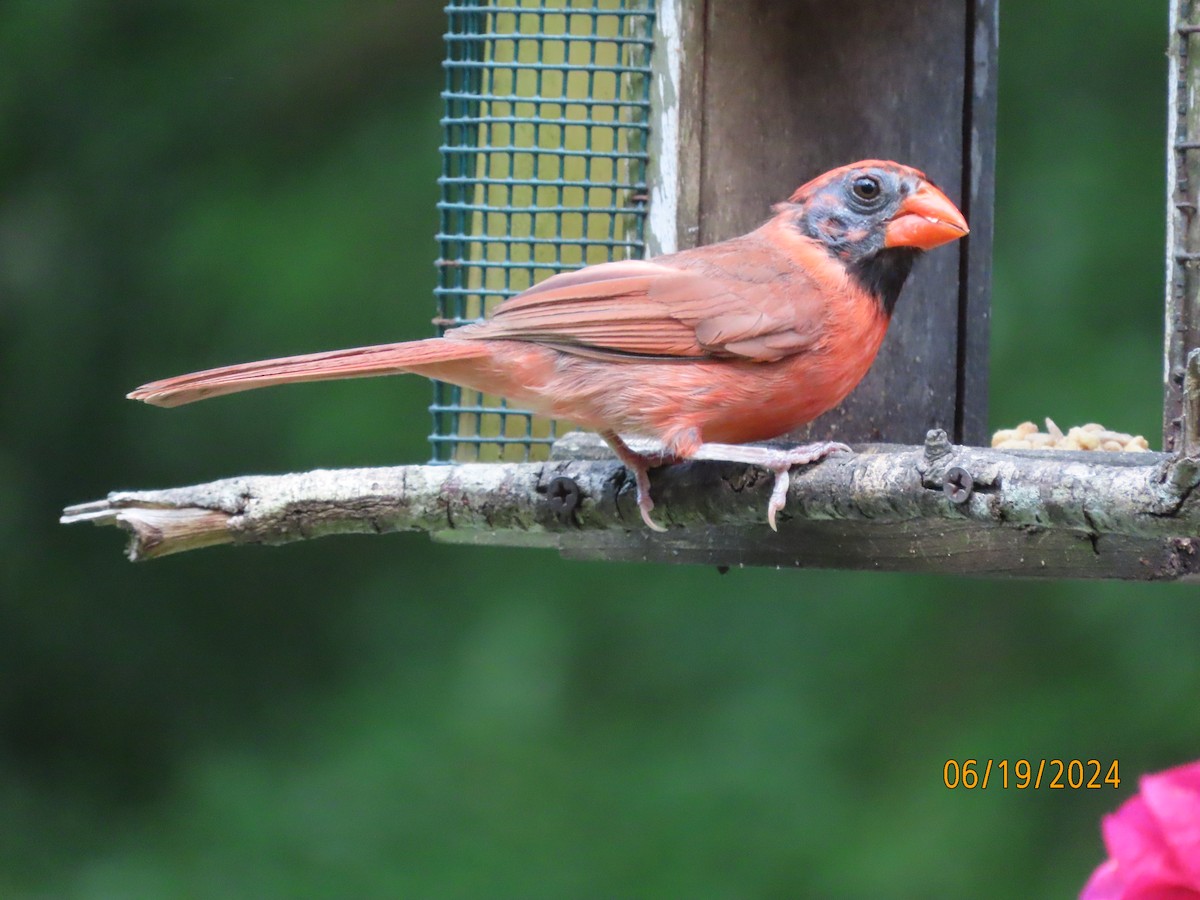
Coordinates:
<point>543,171</point>
<point>1183,231</point>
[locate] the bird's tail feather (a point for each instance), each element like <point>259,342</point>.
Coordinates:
<point>359,362</point>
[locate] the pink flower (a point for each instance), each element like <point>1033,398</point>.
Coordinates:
<point>1153,842</point>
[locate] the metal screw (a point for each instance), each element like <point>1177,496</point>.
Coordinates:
<point>958,484</point>
<point>563,494</point>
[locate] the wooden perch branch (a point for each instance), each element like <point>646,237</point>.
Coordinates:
<point>931,508</point>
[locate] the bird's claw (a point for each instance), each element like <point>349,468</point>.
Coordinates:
<point>644,501</point>
<point>798,456</point>
<point>639,464</point>
<point>778,496</point>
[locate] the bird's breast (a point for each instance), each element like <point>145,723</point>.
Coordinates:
<point>775,398</point>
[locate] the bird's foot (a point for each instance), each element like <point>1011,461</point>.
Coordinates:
<point>640,465</point>
<point>778,460</point>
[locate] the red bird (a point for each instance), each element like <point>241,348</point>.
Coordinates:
<point>702,350</point>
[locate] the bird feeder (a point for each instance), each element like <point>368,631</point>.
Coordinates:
<point>582,131</point>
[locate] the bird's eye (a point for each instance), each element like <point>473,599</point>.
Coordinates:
<point>866,187</point>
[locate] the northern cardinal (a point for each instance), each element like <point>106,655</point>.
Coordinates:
<point>702,350</point>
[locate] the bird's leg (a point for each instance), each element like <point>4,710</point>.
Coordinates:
<point>640,465</point>
<point>778,459</point>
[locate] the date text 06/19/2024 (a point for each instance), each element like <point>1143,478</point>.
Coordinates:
<point>1025,774</point>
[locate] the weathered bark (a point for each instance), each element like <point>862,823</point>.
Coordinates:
<point>932,508</point>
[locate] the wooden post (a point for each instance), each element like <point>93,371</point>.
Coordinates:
<point>754,97</point>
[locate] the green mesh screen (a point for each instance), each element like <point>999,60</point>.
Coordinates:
<point>543,170</point>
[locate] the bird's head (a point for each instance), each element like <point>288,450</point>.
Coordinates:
<point>875,217</point>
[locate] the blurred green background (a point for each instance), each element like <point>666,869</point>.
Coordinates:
<point>190,182</point>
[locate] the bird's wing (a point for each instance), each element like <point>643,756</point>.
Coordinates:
<point>681,309</point>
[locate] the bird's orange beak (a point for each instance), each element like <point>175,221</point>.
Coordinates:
<point>926,219</point>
